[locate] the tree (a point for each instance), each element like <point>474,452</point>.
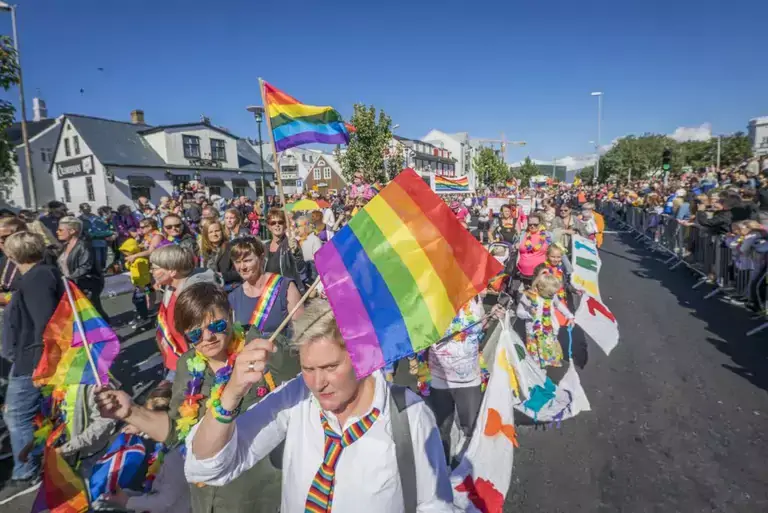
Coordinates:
<point>9,76</point>
<point>587,174</point>
<point>734,149</point>
<point>526,171</point>
<point>368,145</point>
<point>489,168</point>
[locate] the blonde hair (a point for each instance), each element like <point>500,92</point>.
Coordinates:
<point>24,248</point>
<point>40,229</point>
<point>74,224</point>
<point>174,258</point>
<point>322,326</point>
<point>206,246</point>
<point>546,284</point>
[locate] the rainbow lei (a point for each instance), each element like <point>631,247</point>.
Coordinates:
<point>190,407</point>
<point>154,463</point>
<point>542,327</point>
<point>557,272</point>
<point>530,247</point>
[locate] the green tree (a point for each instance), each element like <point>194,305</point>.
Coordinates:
<point>587,174</point>
<point>9,76</point>
<point>368,145</point>
<point>642,155</point>
<point>734,149</point>
<point>489,168</point>
<point>525,171</point>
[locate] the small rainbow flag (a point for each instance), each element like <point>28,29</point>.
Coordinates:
<point>443,184</point>
<point>65,360</point>
<point>294,123</point>
<point>399,272</point>
<point>511,184</point>
<point>62,491</point>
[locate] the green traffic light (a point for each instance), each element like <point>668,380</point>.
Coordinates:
<point>665,167</point>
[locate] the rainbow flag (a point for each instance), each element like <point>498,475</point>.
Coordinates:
<point>62,491</point>
<point>443,184</point>
<point>294,123</point>
<point>64,360</point>
<point>399,272</point>
<point>511,184</point>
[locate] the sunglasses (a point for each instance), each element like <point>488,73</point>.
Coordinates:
<point>215,327</point>
<point>275,223</point>
<point>172,227</point>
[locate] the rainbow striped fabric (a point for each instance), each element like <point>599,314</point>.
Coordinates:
<point>444,184</point>
<point>320,496</point>
<point>294,123</point>
<point>265,302</point>
<point>62,491</point>
<point>399,272</point>
<point>64,360</point>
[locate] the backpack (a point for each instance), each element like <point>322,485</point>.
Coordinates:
<point>401,434</point>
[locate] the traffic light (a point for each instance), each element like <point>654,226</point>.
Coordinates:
<point>666,159</point>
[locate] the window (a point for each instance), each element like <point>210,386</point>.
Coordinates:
<point>327,173</point>
<point>239,190</point>
<point>258,188</point>
<point>43,156</point>
<point>214,189</point>
<point>218,150</point>
<point>67,195</point>
<point>67,151</point>
<point>191,146</point>
<point>765,142</point>
<point>316,174</point>
<point>138,191</point>
<point>76,144</point>
<point>89,188</point>
<point>303,157</point>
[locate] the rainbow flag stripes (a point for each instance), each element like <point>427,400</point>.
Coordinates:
<point>294,123</point>
<point>444,184</point>
<point>265,302</point>
<point>399,272</point>
<point>62,491</point>
<point>64,360</point>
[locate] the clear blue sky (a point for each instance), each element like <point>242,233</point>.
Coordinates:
<point>525,68</point>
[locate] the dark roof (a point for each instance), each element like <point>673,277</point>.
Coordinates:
<point>116,142</point>
<point>160,128</point>
<point>248,158</point>
<point>33,128</point>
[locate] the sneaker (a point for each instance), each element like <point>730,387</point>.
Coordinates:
<point>17,488</point>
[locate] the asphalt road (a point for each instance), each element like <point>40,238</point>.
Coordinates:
<point>679,409</point>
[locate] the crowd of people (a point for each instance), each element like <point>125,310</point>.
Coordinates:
<point>246,407</point>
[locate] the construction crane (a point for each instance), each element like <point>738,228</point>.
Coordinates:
<point>503,142</point>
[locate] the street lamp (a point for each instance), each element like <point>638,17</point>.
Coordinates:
<point>599,95</point>
<point>258,115</point>
<point>24,133</point>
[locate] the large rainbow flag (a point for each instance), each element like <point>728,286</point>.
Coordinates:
<point>62,491</point>
<point>399,272</point>
<point>294,123</point>
<point>443,184</point>
<point>65,360</point>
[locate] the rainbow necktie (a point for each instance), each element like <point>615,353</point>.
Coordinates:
<point>320,497</point>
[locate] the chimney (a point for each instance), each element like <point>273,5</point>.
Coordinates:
<point>137,117</point>
<point>39,110</point>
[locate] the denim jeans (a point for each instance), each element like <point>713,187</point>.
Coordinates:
<point>22,402</point>
<point>100,254</point>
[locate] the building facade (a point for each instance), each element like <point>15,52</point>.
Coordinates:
<point>758,135</point>
<point>325,176</point>
<point>107,162</point>
<point>43,134</point>
<point>427,158</point>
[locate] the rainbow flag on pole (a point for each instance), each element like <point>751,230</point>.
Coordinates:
<point>444,184</point>
<point>294,123</point>
<point>399,272</point>
<point>62,491</point>
<point>65,358</point>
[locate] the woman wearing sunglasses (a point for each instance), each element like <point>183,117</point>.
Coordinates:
<point>178,233</point>
<point>203,315</point>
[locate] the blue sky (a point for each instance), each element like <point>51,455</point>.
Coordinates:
<point>524,68</point>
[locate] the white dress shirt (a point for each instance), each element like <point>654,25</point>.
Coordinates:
<point>367,478</point>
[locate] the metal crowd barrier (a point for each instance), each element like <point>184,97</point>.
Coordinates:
<point>744,276</point>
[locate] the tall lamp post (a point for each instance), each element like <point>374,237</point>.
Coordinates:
<point>258,115</point>
<point>599,95</point>
<point>24,133</point>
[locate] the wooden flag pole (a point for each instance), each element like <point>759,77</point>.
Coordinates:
<point>81,330</point>
<point>272,140</point>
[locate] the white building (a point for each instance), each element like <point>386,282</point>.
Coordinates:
<point>758,135</point>
<point>427,158</point>
<point>43,134</point>
<point>107,162</point>
<point>461,146</point>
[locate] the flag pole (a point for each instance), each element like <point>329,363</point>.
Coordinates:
<point>272,141</point>
<point>81,330</point>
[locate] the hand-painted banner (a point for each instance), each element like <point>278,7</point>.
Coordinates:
<point>598,322</point>
<point>586,265</point>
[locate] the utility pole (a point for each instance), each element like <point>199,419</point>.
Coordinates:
<point>718,152</point>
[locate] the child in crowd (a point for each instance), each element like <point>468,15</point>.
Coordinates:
<point>165,488</point>
<point>140,279</point>
<point>537,308</point>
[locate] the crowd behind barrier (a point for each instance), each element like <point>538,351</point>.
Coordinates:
<point>718,260</point>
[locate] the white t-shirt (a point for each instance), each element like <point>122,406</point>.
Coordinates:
<point>310,246</point>
<point>455,363</point>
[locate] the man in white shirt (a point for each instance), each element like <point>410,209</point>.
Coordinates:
<point>340,453</point>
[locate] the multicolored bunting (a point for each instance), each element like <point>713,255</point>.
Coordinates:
<point>598,322</point>
<point>62,491</point>
<point>294,123</point>
<point>586,265</point>
<point>117,467</point>
<point>445,184</point>
<point>399,272</point>
<point>65,359</point>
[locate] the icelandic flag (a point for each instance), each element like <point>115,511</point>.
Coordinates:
<point>117,467</point>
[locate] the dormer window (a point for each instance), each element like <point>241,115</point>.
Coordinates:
<point>191,146</point>
<point>218,150</point>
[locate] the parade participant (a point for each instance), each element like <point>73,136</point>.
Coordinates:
<point>56,210</point>
<point>586,223</point>
<point>359,188</point>
<point>165,490</point>
<point>38,292</point>
<point>310,244</point>
<point>77,262</point>
<point>563,227</point>
<point>557,265</point>
<point>9,273</point>
<point>506,227</point>
<point>533,248</point>
<point>338,433</point>
<point>283,255</point>
<point>537,308</point>
<point>98,231</point>
<point>319,227</point>
<point>173,267</point>
<point>138,268</point>
<point>178,233</point>
<point>125,223</point>
<point>233,221</point>
<point>204,316</point>
<point>483,221</point>
<point>461,213</point>
<point>215,252</point>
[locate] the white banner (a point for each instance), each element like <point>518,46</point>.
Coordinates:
<point>586,265</point>
<point>526,204</point>
<point>495,204</point>
<point>598,322</point>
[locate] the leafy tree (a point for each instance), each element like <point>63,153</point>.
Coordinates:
<point>489,168</point>
<point>526,171</point>
<point>734,149</point>
<point>643,155</point>
<point>9,76</point>
<point>368,145</point>
<point>587,174</point>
